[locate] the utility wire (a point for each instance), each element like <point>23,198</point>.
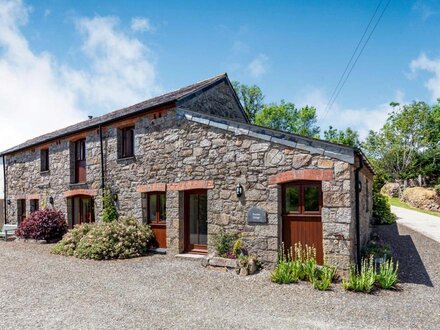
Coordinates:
<point>353,55</point>
<point>344,77</point>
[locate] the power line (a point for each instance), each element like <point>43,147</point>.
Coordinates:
<point>353,55</point>
<point>344,77</point>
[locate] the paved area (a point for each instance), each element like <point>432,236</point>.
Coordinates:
<point>423,223</point>
<point>44,291</point>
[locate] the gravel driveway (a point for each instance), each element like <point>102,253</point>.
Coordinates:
<point>40,290</point>
<point>423,223</point>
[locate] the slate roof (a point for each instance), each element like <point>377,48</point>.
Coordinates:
<point>168,98</point>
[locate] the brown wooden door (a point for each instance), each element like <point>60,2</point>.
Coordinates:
<point>82,210</point>
<point>80,161</point>
<point>196,221</point>
<point>154,209</point>
<point>302,221</point>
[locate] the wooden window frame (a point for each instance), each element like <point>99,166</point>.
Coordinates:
<point>80,156</point>
<point>127,142</point>
<point>146,209</point>
<point>44,160</point>
<point>302,185</point>
<point>34,205</point>
<point>21,206</point>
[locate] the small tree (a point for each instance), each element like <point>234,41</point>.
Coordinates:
<point>109,212</point>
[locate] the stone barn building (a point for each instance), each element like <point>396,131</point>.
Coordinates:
<point>190,164</point>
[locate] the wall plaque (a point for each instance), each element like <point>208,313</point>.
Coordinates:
<point>256,215</point>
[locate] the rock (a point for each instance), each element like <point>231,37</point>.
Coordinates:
<point>252,266</point>
<point>205,262</point>
<point>223,262</point>
<point>244,271</point>
<point>391,189</point>
<point>301,160</point>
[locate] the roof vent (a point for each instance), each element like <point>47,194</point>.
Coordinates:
<point>90,117</point>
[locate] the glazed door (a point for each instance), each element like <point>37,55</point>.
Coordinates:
<point>196,225</point>
<point>82,210</point>
<point>80,161</point>
<point>302,204</point>
<point>154,209</point>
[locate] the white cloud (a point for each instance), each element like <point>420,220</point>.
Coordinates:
<point>360,119</point>
<point>38,94</point>
<point>122,69</point>
<point>141,24</point>
<point>47,12</point>
<point>424,63</point>
<point>425,9</point>
<point>258,67</point>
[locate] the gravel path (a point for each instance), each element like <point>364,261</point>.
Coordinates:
<point>425,224</point>
<point>40,290</point>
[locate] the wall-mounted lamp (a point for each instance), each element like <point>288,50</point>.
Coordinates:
<point>239,190</point>
<point>9,202</point>
<point>51,200</point>
<point>115,197</point>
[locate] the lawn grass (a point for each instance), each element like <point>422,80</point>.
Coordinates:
<point>397,202</point>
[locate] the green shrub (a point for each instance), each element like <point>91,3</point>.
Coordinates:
<point>224,242</point>
<point>109,212</point>
<point>377,250</point>
<point>300,264</point>
<point>387,276</point>
<point>324,276</point>
<point>68,244</point>
<point>362,281</point>
<point>115,240</point>
<point>237,248</point>
<point>381,209</point>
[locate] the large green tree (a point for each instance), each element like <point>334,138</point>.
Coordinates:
<point>251,98</point>
<point>348,136</point>
<point>409,136</point>
<point>287,117</point>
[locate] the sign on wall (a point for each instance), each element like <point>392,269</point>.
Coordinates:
<point>256,215</point>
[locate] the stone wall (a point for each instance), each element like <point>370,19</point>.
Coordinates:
<point>171,150</point>
<point>2,212</point>
<point>218,101</point>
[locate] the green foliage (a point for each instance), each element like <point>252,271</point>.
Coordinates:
<point>114,240</point>
<point>324,276</point>
<point>348,137</point>
<point>286,117</point>
<point>251,98</point>
<point>237,248</point>
<point>224,242</point>
<point>300,264</point>
<point>381,209</point>
<point>409,142</point>
<point>387,276</point>
<point>376,249</point>
<point>109,212</point>
<point>362,281</point>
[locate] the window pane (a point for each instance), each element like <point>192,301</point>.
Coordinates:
<point>292,199</point>
<point>162,207</point>
<point>152,208</point>
<point>203,216</point>
<point>144,204</point>
<point>311,199</point>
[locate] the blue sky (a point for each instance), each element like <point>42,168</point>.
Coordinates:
<point>63,60</point>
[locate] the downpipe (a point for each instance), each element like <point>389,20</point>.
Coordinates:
<point>357,212</point>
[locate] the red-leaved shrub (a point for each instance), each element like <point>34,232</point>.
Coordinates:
<point>46,224</point>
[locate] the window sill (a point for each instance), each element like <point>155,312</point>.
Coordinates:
<point>125,159</point>
<point>78,185</point>
<point>45,172</point>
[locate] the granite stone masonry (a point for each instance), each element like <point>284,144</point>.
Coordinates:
<point>200,142</point>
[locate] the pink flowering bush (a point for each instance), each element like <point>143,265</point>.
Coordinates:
<point>114,240</point>
<point>46,224</point>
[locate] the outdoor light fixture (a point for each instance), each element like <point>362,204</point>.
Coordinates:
<point>239,190</point>
<point>115,197</point>
<point>9,202</point>
<point>51,200</point>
